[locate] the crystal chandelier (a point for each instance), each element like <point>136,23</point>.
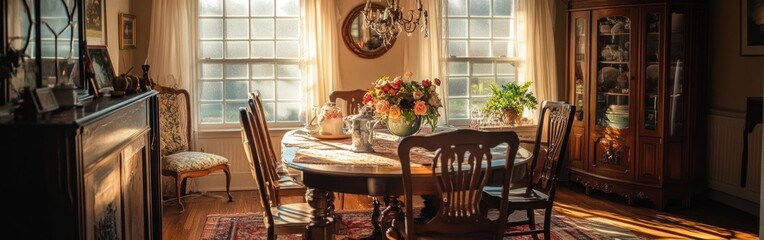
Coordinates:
<point>393,20</point>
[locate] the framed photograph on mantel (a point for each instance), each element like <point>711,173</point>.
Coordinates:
<point>101,68</point>
<point>752,27</point>
<point>95,22</point>
<point>126,31</point>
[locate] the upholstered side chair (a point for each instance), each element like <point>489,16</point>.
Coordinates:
<point>179,161</point>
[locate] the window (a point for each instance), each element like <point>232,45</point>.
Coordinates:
<point>250,45</point>
<point>481,45</point>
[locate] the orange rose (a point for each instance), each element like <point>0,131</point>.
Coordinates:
<point>394,112</point>
<point>382,106</point>
<point>420,108</point>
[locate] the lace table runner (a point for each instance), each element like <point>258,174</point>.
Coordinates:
<point>338,152</point>
<point>308,149</point>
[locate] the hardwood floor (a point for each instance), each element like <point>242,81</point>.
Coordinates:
<point>710,221</point>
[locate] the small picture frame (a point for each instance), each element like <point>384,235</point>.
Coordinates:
<point>101,69</point>
<point>126,31</point>
<point>44,100</point>
<point>752,27</point>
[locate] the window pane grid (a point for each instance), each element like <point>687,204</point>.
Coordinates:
<point>481,46</point>
<point>250,45</point>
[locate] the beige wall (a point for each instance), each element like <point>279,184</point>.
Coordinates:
<point>732,77</point>
<point>357,72</point>
<point>120,58</point>
<point>142,11</point>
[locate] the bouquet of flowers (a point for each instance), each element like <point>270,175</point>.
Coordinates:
<point>402,98</point>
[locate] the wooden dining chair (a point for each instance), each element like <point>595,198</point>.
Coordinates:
<point>274,167</point>
<point>460,169</point>
<point>555,120</point>
<point>353,102</point>
<point>279,218</point>
<point>179,161</point>
<point>353,99</point>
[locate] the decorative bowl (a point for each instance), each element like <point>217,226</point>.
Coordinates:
<point>618,109</point>
<point>617,120</point>
<point>617,125</point>
<point>608,74</point>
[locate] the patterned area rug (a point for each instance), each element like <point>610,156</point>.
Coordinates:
<point>357,224</point>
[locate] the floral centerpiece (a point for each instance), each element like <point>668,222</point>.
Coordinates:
<point>401,100</point>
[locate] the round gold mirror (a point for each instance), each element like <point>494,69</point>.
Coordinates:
<point>363,41</point>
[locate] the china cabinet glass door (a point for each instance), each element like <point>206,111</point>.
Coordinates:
<point>580,59</point>
<point>613,78</point>
<point>652,70</point>
<point>677,71</point>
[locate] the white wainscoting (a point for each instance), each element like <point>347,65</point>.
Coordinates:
<point>725,146</point>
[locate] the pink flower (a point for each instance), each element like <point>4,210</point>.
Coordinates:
<point>420,108</point>
<point>437,81</point>
<point>434,101</point>
<point>426,83</point>
<point>382,106</point>
<point>367,97</point>
<point>397,83</point>
<point>418,94</point>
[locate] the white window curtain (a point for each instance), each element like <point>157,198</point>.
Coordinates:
<point>172,43</point>
<point>535,30</point>
<point>424,56</point>
<point>322,50</point>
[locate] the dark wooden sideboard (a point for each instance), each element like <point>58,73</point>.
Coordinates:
<point>86,173</point>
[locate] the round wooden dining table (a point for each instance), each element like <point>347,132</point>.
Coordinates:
<point>329,165</point>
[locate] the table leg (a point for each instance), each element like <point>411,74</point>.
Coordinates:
<point>321,203</point>
<point>377,234</point>
<point>392,217</point>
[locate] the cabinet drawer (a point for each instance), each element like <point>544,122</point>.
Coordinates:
<point>106,135</point>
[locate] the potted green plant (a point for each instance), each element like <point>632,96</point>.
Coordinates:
<point>509,100</point>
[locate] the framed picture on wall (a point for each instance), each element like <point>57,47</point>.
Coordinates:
<point>95,22</point>
<point>126,31</point>
<point>752,27</point>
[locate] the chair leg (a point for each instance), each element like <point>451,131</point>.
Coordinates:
<point>179,189</point>
<point>532,222</point>
<point>228,183</point>
<point>547,222</point>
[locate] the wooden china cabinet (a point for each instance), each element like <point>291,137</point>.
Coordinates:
<point>635,74</point>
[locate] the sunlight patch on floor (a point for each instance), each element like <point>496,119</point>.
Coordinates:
<point>667,227</point>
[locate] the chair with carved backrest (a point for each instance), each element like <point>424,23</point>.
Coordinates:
<point>279,218</point>
<point>176,150</point>
<point>353,101</point>
<point>461,168</point>
<point>555,120</point>
<point>274,167</point>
